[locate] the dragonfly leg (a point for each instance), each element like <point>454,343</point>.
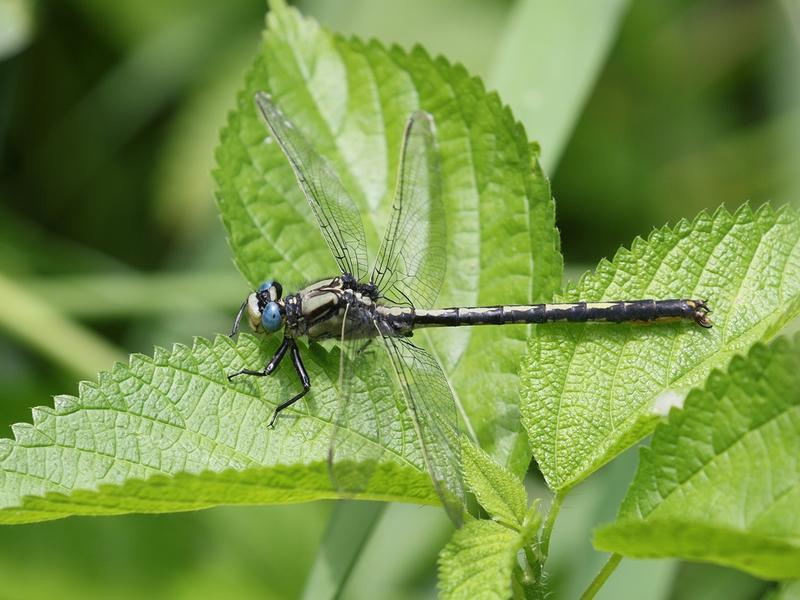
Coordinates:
<point>271,365</point>
<point>303,375</point>
<point>238,319</point>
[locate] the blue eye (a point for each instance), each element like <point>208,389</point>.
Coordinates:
<point>265,286</point>
<point>271,318</point>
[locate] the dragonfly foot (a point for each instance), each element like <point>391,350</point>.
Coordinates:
<point>262,373</point>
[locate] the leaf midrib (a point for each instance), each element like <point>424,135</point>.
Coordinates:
<point>724,352</point>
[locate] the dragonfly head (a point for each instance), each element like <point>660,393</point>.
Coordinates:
<point>264,307</point>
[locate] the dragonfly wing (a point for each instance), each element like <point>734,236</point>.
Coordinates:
<point>336,213</point>
<point>370,426</point>
<point>410,266</point>
<point>430,405</point>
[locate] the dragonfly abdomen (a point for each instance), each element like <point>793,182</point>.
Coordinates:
<point>614,312</point>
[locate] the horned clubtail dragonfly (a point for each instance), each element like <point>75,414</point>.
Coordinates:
<point>375,311</point>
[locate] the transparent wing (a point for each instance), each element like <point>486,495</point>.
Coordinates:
<point>336,213</point>
<point>432,409</point>
<point>371,426</point>
<point>411,261</point>
<point>379,422</point>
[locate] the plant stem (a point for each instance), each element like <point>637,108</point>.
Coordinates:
<point>543,548</point>
<point>349,529</point>
<point>608,568</point>
<point>115,295</point>
<point>36,321</point>
<point>531,569</point>
<point>549,522</point>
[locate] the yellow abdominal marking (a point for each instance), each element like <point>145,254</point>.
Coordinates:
<point>600,305</point>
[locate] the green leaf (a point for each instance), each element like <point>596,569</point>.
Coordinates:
<point>16,25</point>
<point>170,433</point>
<point>548,94</point>
<point>498,490</point>
<point>531,523</point>
<point>352,99</point>
<point>592,390</point>
<point>478,561</point>
<point>789,590</point>
<point>721,480</point>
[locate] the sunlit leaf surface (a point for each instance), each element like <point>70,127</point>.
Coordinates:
<point>721,480</point>
<point>177,436</point>
<point>171,433</point>
<point>499,492</point>
<point>478,561</point>
<point>592,390</point>
<point>352,100</point>
<point>481,559</point>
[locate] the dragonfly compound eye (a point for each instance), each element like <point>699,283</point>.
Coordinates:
<point>271,318</point>
<point>273,287</point>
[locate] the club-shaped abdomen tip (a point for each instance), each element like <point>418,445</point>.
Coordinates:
<point>700,313</point>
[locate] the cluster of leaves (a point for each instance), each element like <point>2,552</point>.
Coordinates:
<point>481,559</point>
<point>721,479</point>
<point>161,433</point>
<point>169,432</point>
<point>719,483</point>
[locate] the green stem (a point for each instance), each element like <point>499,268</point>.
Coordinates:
<point>549,522</point>
<point>349,530</point>
<point>531,567</point>
<point>38,323</point>
<point>602,576</point>
<point>543,548</point>
<point>115,295</point>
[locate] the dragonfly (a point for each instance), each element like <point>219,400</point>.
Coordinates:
<point>373,312</point>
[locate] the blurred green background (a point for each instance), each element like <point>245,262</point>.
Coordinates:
<point>109,242</point>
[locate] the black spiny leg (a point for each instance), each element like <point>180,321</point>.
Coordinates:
<point>302,374</point>
<point>271,365</point>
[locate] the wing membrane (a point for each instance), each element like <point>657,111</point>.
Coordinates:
<point>336,213</point>
<point>411,262</point>
<point>378,421</point>
<point>432,410</point>
<point>371,426</point>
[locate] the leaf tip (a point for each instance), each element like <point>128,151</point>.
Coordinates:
<point>24,434</point>
<point>39,414</point>
<point>65,404</point>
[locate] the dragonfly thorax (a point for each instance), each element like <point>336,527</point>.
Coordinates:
<point>334,308</point>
